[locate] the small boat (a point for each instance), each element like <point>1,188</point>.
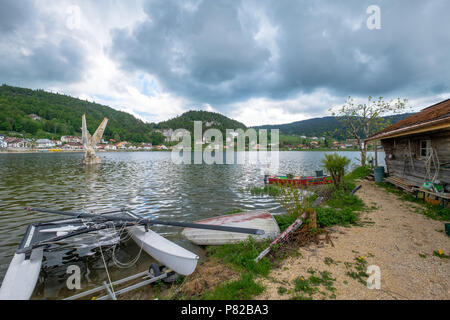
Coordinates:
<point>258,219</point>
<point>168,253</point>
<point>23,271</point>
<point>21,277</point>
<point>298,180</point>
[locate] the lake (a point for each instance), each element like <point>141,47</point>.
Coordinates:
<point>147,182</point>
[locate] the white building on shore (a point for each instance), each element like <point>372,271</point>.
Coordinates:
<point>71,139</point>
<point>45,143</point>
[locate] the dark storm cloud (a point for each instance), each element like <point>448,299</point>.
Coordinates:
<point>34,50</point>
<point>13,13</point>
<point>202,52</point>
<point>209,53</point>
<point>320,49</point>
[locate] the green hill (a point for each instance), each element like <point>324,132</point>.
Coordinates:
<point>319,127</point>
<point>209,120</point>
<point>61,115</point>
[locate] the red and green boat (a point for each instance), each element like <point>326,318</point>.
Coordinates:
<point>298,181</point>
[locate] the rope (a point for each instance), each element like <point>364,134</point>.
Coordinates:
<point>107,272</point>
<point>433,157</point>
<point>132,261</point>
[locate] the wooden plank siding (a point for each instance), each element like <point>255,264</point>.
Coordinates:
<point>399,165</point>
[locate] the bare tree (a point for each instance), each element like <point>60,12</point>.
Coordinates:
<point>364,119</point>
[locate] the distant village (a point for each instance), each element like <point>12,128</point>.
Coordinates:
<point>74,143</point>
<point>309,143</point>
<point>71,143</point>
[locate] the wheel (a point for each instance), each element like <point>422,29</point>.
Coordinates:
<point>154,270</point>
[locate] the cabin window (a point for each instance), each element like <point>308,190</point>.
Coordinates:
<point>425,148</point>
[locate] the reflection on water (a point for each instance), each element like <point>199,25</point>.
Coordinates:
<point>147,182</point>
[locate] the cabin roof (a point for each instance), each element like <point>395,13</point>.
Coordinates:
<point>425,120</point>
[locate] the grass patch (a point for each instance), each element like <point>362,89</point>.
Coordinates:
<point>314,283</point>
<point>243,289</point>
<point>327,217</point>
<point>439,253</point>
<point>359,173</point>
<point>432,211</point>
<point>284,220</point>
<point>242,256</point>
<point>357,269</point>
<point>282,290</point>
<point>340,209</point>
<point>268,189</point>
<point>329,261</point>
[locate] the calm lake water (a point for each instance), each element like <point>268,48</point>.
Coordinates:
<point>147,182</point>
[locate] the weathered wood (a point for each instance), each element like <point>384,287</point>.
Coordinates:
<point>403,157</point>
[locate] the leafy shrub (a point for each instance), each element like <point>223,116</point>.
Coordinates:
<point>335,165</point>
<point>330,216</point>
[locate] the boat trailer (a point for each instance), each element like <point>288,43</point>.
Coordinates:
<point>147,277</point>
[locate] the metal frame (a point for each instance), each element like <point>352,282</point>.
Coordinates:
<point>146,276</point>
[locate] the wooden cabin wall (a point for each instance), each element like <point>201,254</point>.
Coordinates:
<point>400,165</point>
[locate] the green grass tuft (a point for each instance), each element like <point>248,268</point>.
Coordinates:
<point>242,256</point>
<point>243,289</point>
<point>359,173</point>
<point>284,220</point>
<point>268,189</point>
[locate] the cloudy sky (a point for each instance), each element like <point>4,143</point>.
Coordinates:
<point>257,61</point>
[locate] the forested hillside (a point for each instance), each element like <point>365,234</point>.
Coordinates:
<point>319,127</point>
<point>61,115</point>
<point>209,120</point>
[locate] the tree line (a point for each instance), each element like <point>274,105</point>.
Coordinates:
<point>61,115</point>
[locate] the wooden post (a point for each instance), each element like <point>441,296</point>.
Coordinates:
<point>376,153</point>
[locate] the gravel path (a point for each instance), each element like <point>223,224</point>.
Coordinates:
<point>392,237</point>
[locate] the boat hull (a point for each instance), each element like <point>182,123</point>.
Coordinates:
<point>300,181</point>
<point>166,252</point>
<point>22,275</point>
<point>257,219</point>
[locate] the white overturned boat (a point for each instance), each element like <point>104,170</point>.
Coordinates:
<point>23,272</point>
<point>257,219</point>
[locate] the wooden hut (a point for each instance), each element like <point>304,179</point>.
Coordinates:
<point>417,148</point>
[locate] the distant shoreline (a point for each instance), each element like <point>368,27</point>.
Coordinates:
<point>101,151</point>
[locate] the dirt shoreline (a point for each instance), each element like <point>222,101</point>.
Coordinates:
<point>393,236</point>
